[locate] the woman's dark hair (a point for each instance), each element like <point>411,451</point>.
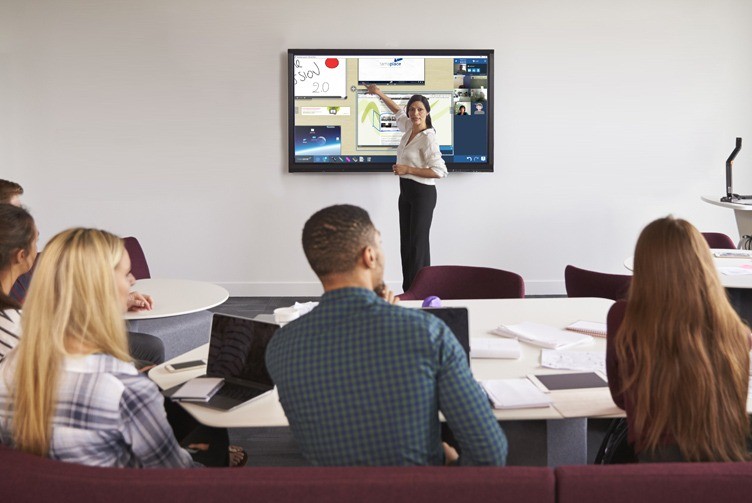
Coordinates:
<point>17,232</point>
<point>424,100</point>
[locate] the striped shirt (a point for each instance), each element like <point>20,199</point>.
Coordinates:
<point>107,414</point>
<point>10,330</point>
<point>362,383</point>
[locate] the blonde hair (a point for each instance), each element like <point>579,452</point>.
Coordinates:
<point>72,303</point>
<point>685,352</point>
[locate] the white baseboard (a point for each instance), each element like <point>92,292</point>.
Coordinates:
<point>314,289</point>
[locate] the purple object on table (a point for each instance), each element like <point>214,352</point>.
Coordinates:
<point>432,301</point>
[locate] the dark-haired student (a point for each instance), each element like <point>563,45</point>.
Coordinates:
<point>419,164</point>
<point>10,193</point>
<point>678,354</point>
<point>146,349</point>
<point>18,251</point>
<point>361,380</point>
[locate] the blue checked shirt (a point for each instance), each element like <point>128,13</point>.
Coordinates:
<point>107,415</point>
<point>362,383</point>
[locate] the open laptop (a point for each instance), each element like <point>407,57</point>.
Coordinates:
<point>457,320</point>
<point>237,353</point>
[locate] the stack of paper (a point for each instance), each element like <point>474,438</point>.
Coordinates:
<point>495,348</point>
<point>518,393</point>
<point>733,254</point>
<point>200,389</point>
<point>542,335</point>
<point>589,327</point>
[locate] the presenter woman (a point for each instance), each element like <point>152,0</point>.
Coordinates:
<point>419,164</point>
<point>677,354</point>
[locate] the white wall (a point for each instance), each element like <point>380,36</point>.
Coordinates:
<point>167,120</point>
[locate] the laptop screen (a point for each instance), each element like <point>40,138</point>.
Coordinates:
<point>457,320</point>
<point>238,349</point>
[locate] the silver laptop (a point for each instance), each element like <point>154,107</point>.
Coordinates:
<point>237,353</point>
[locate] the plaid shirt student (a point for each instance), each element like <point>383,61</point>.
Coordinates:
<point>107,415</point>
<point>362,383</point>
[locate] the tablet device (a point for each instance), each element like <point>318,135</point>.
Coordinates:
<point>579,380</point>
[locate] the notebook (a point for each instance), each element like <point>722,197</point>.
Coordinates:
<point>237,352</point>
<point>593,328</point>
<point>516,393</point>
<point>496,348</point>
<point>542,335</point>
<point>200,389</point>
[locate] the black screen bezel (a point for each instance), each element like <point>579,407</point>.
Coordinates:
<point>299,167</point>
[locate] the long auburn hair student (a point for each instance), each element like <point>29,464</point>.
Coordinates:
<point>683,350</point>
<point>72,307</point>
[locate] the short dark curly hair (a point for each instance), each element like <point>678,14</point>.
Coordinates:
<point>334,238</point>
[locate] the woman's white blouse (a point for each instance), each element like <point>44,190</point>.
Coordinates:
<point>422,152</point>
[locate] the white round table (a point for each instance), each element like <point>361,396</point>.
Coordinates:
<point>173,297</point>
<point>742,212</point>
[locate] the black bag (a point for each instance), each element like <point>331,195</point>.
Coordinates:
<point>615,448</point>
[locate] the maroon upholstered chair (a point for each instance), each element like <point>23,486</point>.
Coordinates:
<point>139,267</point>
<point>584,283</point>
<point>465,282</point>
<point>28,478</point>
<point>654,483</point>
<point>719,240</point>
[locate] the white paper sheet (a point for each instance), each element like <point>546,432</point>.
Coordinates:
<point>574,360</point>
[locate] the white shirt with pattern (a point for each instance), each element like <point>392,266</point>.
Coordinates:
<point>422,152</point>
<point>107,414</point>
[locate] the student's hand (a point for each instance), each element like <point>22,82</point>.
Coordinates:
<point>389,296</point>
<point>372,89</point>
<point>385,293</point>
<point>401,169</point>
<point>450,454</point>
<point>139,302</point>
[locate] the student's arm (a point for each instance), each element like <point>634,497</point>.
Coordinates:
<point>145,428</point>
<point>466,408</point>
<point>374,89</point>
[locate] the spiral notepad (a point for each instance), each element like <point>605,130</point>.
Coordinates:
<point>593,328</point>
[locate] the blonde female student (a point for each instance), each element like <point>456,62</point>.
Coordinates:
<point>69,390</point>
<point>677,352</point>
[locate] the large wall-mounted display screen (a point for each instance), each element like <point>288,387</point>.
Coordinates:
<point>335,125</point>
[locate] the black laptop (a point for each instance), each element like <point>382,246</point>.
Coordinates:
<point>457,320</point>
<point>237,353</point>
